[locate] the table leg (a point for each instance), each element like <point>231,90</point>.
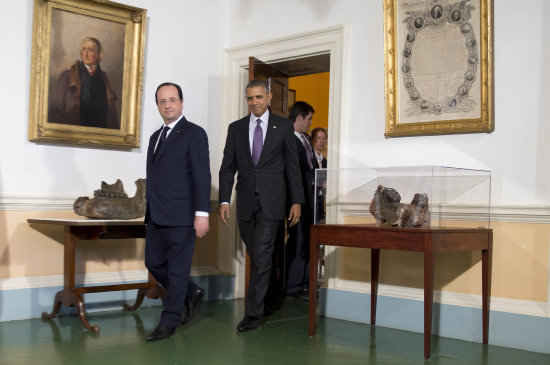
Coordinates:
<point>63,297</point>
<point>139,299</point>
<point>67,296</point>
<point>313,257</point>
<point>154,291</point>
<point>429,264</point>
<point>374,270</point>
<point>56,306</point>
<point>486,264</point>
<point>78,302</point>
<point>68,265</point>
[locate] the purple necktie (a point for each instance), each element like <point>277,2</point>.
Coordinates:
<point>308,152</point>
<point>257,142</point>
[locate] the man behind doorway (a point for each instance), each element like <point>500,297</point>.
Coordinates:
<point>261,149</point>
<point>297,245</point>
<point>178,203</point>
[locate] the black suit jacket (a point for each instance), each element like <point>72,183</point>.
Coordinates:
<point>279,157</point>
<point>316,163</point>
<point>178,181</point>
<point>308,178</point>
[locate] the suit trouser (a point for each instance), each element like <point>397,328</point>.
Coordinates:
<point>168,256</point>
<point>297,256</point>
<point>258,235</point>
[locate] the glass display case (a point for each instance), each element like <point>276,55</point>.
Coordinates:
<point>412,196</point>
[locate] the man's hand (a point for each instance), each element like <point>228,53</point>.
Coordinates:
<point>294,215</point>
<point>201,226</point>
<point>224,213</point>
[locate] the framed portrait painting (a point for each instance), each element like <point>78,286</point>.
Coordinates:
<point>438,67</point>
<point>86,73</point>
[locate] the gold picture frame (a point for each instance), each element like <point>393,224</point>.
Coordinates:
<point>69,105</point>
<point>438,67</point>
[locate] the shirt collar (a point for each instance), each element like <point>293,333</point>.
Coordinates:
<point>264,117</point>
<point>173,124</point>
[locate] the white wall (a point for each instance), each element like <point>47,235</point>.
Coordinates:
<point>184,44</point>
<point>185,41</point>
<point>517,153</point>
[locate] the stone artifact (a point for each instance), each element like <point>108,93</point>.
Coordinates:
<point>111,202</point>
<point>115,190</point>
<point>388,210</point>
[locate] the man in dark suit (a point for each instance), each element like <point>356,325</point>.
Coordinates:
<point>178,203</point>
<point>261,148</point>
<point>297,245</point>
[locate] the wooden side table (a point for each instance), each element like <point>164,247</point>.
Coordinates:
<point>426,240</point>
<point>90,229</point>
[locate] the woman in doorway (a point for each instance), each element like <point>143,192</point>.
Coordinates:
<point>319,142</point>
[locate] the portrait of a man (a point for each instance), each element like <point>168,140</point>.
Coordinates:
<point>83,95</point>
<point>82,91</point>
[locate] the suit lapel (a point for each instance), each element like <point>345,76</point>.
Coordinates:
<point>152,144</point>
<point>270,136</point>
<point>243,134</point>
<point>172,137</point>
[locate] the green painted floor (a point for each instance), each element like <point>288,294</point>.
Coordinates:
<point>211,338</point>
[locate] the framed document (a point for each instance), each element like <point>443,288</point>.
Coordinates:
<point>438,67</point>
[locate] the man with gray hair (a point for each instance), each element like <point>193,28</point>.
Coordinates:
<point>83,94</point>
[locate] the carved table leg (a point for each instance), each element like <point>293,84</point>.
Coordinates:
<point>154,291</point>
<point>56,306</point>
<point>139,299</point>
<point>77,301</point>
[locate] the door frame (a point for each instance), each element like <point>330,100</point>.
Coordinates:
<point>234,79</point>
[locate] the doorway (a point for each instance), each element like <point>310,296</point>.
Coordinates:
<point>327,43</point>
<point>309,80</point>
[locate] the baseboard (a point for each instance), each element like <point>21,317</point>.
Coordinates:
<point>25,298</point>
<point>512,306</point>
<point>128,276</point>
<point>513,330</point>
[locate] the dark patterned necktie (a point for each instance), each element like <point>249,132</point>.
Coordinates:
<point>257,142</point>
<point>161,140</point>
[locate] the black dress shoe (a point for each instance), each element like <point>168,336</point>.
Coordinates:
<point>248,324</point>
<point>270,306</point>
<point>160,333</point>
<point>302,294</point>
<point>191,306</point>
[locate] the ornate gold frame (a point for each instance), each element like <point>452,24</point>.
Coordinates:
<point>132,20</point>
<point>483,76</point>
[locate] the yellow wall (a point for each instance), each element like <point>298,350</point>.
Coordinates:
<point>314,89</point>
<point>520,264</point>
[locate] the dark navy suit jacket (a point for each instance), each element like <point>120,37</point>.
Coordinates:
<point>178,181</point>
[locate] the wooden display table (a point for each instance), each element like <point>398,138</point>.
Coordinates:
<point>427,240</point>
<point>93,229</point>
